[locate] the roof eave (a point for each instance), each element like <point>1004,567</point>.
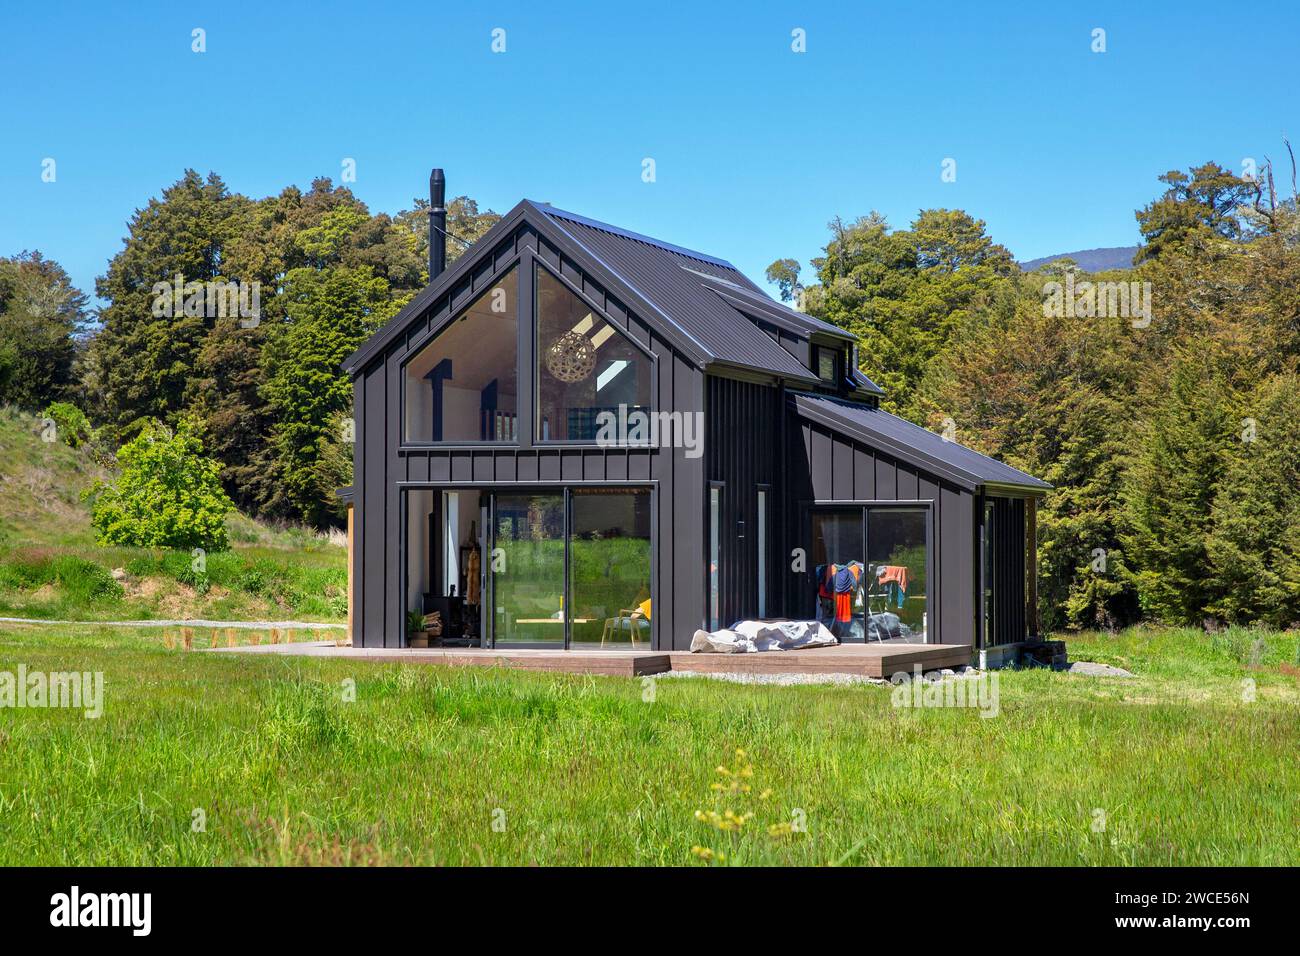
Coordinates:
<point>1015,489</point>
<point>865,385</point>
<point>778,315</point>
<point>764,373</point>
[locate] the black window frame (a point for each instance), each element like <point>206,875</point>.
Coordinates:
<point>825,350</point>
<point>713,545</point>
<point>534,355</point>
<point>425,339</point>
<point>807,581</point>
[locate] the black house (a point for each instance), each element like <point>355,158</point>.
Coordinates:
<point>578,436</point>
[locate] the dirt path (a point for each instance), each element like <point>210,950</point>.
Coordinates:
<point>195,622</point>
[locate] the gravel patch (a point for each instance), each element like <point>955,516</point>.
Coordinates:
<point>783,680</point>
<point>1091,669</point>
<point>834,679</point>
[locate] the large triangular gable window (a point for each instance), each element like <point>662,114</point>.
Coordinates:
<point>464,385</point>
<point>585,366</point>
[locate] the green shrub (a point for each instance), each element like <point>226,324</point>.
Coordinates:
<point>71,424</point>
<point>168,494</point>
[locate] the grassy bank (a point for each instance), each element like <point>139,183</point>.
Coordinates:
<point>51,566</point>
<point>1188,762</point>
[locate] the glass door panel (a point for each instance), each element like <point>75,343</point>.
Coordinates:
<point>609,574</point>
<point>762,553</point>
<point>715,557</point>
<point>896,586</point>
<point>838,571</point>
<point>527,568</point>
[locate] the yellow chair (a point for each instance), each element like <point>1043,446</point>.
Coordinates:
<point>629,616</point>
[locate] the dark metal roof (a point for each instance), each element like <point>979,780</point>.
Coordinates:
<point>747,297</point>
<point>861,379</point>
<point>628,234</point>
<point>702,304</point>
<point>916,445</point>
<point>676,280</point>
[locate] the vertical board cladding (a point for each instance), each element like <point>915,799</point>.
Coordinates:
<point>1009,621</point>
<point>825,466</point>
<point>371,470</point>
<point>684,501</point>
<point>383,465</point>
<point>957,559</point>
<point>743,427</point>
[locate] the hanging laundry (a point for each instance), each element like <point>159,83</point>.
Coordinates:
<point>894,577</point>
<point>847,577</point>
<point>825,575</point>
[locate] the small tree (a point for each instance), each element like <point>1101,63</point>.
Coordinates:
<point>70,423</point>
<point>1171,490</point>
<point>167,495</point>
<point>1253,541</point>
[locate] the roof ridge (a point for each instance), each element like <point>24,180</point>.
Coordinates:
<point>629,234</point>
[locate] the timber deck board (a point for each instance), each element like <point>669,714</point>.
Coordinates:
<point>870,660</point>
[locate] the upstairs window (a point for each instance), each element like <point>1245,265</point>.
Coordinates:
<point>585,366</point>
<point>826,365</point>
<point>464,385</point>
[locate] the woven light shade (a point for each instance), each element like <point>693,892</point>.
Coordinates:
<point>571,358</point>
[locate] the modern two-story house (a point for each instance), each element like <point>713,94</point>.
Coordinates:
<point>581,437</point>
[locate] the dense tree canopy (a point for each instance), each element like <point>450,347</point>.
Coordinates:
<point>329,315</point>
<point>1169,440</point>
<point>41,316</point>
<point>320,272</point>
<point>1171,434</point>
<point>905,292</point>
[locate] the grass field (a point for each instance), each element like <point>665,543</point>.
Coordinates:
<point>1188,763</point>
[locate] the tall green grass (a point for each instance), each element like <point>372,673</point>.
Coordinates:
<point>468,765</point>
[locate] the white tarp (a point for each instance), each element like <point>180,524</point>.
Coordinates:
<point>748,637</point>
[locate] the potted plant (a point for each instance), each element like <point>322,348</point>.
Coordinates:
<point>424,630</point>
<point>416,635</point>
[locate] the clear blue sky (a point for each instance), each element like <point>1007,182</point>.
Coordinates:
<point>756,147</point>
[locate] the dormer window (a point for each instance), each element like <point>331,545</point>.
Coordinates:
<point>826,365</point>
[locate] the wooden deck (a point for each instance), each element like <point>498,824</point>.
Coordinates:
<point>870,660</point>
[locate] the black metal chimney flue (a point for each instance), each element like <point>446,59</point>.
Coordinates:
<point>437,224</point>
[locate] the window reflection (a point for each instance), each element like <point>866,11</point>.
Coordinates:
<point>585,366</point>
<point>463,386</point>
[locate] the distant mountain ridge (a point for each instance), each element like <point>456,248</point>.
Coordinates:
<point>1090,260</point>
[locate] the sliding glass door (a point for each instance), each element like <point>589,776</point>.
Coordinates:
<point>897,588</point>
<point>870,571</point>
<point>527,566</point>
<point>571,569</point>
<point>609,568</point>
<point>837,570</point>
